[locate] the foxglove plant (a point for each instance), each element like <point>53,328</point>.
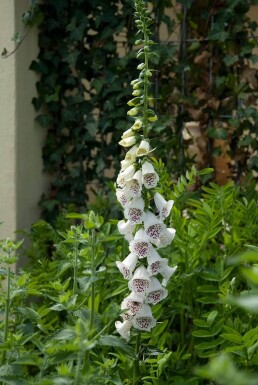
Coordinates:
<point>144,208</point>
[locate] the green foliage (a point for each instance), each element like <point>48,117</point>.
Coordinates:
<point>64,304</point>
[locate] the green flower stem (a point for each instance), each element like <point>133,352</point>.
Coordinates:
<point>75,270</point>
<point>7,311</point>
<point>78,367</point>
<point>93,257</point>
<point>92,310</point>
<point>136,371</point>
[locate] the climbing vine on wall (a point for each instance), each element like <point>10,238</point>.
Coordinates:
<point>204,75</point>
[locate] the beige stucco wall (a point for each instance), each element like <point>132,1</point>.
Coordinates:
<point>21,139</point>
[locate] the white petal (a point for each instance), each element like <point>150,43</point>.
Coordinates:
<point>134,211</point>
<point>125,175</point>
<point>156,264</point>
<point>126,229</point>
<point>122,197</point>
<point>149,175</point>
<point>166,273</point>
<point>154,227</point>
<point>127,266</point>
<point>164,207</point>
<point>128,133</point>
<point>144,320</point>
<point>144,148</point>
<point>140,244</point>
<point>140,281</point>
<point>166,238</point>
<point>131,154</point>
<point>126,163</point>
<point>155,292</point>
<point>133,302</point>
<point>123,328</point>
<point>128,142</point>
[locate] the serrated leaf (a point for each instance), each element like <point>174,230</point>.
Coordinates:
<point>29,313</point>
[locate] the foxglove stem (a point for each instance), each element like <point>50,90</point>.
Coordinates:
<point>7,311</point>
<point>145,89</point>
<point>93,255</point>
<point>75,269</point>
<point>136,371</point>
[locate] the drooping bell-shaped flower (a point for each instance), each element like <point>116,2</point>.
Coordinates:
<point>125,175</point>
<point>127,266</point>
<point>155,292</point>
<point>140,281</point>
<point>126,229</point>
<point>166,273</point>
<point>122,197</point>
<point>144,148</point>
<point>140,245</point>
<point>144,319</point>
<point>123,328</point>
<point>156,264</point>
<point>149,175</point>
<point>128,142</point>
<point>134,211</point>
<point>134,186</point>
<point>131,154</point>
<point>164,207</point>
<point>154,227</point>
<point>166,238</point>
<point>126,163</point>
<point>137,124</point>
<point>132,302</point>
<point>128,133</point>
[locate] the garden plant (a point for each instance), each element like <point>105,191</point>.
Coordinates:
<point>166,296</point>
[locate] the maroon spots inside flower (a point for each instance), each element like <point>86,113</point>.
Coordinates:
<point>143,323</point>
<point>135,189</point>
<point>126,272</point>
<point>155,267</point>
<point>134,306</point>
<point>155,296</point>
<point>135,215</point>
<point>154,231</point>
<point>150,179</point>
<point>140,285</point>
<point>123,200</point>
<point>141,249</point>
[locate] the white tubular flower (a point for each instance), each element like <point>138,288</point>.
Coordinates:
<point>128,133</point>
<point>166,238</point>
<point>122,197</point>
<point>131,154</point>
<point>154,227</point>
<point>134,211</point>
<point>123,328</point>
<point>156,264</point>
<point>144,148</point>
<point>140,281</point>
<point>156,292</point>
<point>164,207</point>
<point>126,163</point>
<point>137,125</point>
<point>127,142</point>
<point>126,229</point>
<point>166,273</point>
<point>133,302</point>
<point>149,175</point>
<point>127,266</point>
<point>144,320</point>
<point>125,175</point>
<point>134,185</point>
<point>140,245</point>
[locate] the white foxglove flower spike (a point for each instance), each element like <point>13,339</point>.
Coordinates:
<point>164,207</point>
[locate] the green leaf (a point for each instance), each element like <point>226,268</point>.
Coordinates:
<point>117,342</point>
<point>29,313</point>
